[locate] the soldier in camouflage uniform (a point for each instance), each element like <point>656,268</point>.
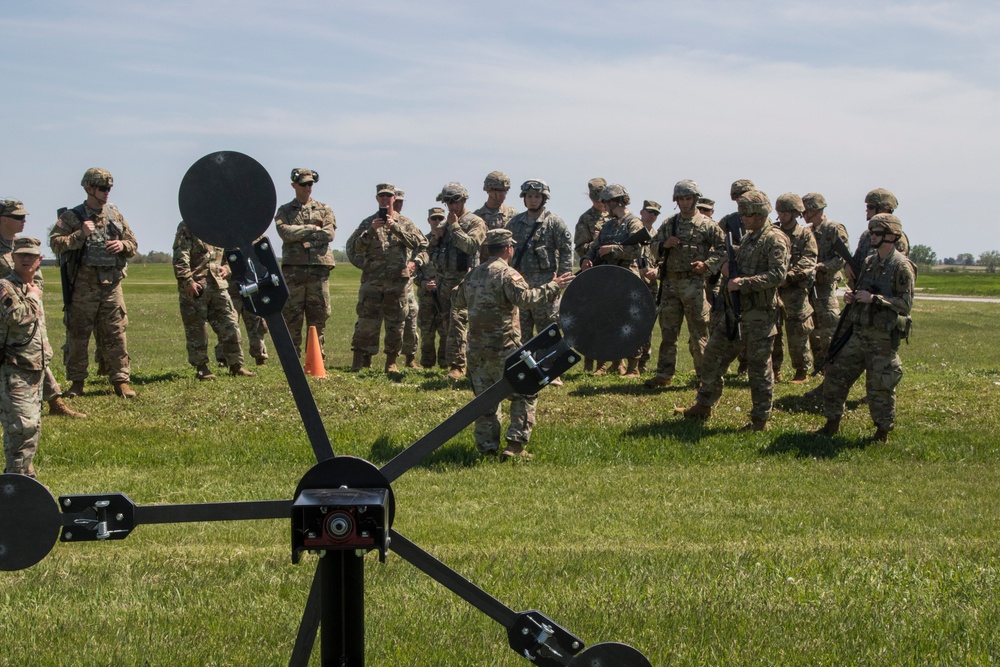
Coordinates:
<point>829,264</point>
<point>384,245</point>
<point>453,250</point>
<point>12,215</point>
<point>411,330</point>
<point>763,259</point>
<point>686,248</point>
<point>204,298</point>
<point>95,242</point>
<point>586,230</point>
<point>433,318</point>
<point>26,353</point>
<point>647,268</point>
<point>495,213</point>
<point>793,294</point>
<point>306,228</point>
<point>880,313</point>
<point>877,201</point>
<point>255,325</point>
<point>732,226</point>
<point>706,207</point>
<point>492,294</point>
<point>607,248</point>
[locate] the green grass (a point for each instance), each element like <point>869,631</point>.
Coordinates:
<point>694,543</point>
<point>963,283</point>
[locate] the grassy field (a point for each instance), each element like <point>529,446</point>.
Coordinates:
<point>965,283</point>
<point>694,543</point>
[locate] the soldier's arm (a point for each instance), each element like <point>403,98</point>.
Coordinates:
<point>130,246</point>
<point>468,240</point>
<point>901,299</point>
<point>582,238</point>
<point>290,233</point>
<point>836,263</point>
<point>805,265</point>
<point>327,227</point>
<point>16,310</point>
<point>182,256</point>
<point>407,232</point>
<point>564,246</point>
<point>67,234</point>
<point>355,255</point>
<point>777,266</point>
<point>716,241</point>
<point>517,291</point>
<point>629,252</point>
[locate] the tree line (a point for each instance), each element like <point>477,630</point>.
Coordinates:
<point>923,255</point>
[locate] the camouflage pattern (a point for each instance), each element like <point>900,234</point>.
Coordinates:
<point>612,233</point>
<point>762,259</point>
<point>11,207</point>
<point>813,201</point>
<point>547,253</point>
<point>826,303</point>
<point>452,192</point>
<point>872,347</point>
<point>492,294</point>
<point>595,186</point>
<point>496,180</point>
<point>740,187</point>
<point>383,254</point>
<point>882,199</point>
<point>198,263</point>
<point>495,218</point>
<point>411,330</point>
<point>686,188</point>
<point>306,232</point>
<point>587,228</point>
<point>255,325</point>
<point>793,295</point>
<point>754,202</point>
<point>652,206</point>
<point>732,224</point>
<point>865,249</point>
<point>26,353</point>
<point>682,294</point>
<point>97,306</point>
<point>95,176</point>
<point>789,202</point>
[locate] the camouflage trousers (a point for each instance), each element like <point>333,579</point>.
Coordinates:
<point>411,330</point>
<point>827,306</point>
<point>485,369</point>
<point>212,307</point>
<point>433,330</point>
<point>21,416</point>
<point>455,323</point>
<point>758,339</point>
<point>50,386</point>
<point>308,299</point>
<point>796,320</point>
<point>682,299</point>
<point>255,325</point>
<point>100,310</point>
<point>872,353</point>
<point>378,302</point>
<point>645,352</point>
<point>535,319</point>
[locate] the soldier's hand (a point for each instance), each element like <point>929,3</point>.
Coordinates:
<point>725,270</point>
<point>411,268</point>
<point>650,274</point>
<point>192,289</point>
<point>378,223</point>
<point>431,285</point>
<point>863,296</point>
<point>564,279</point>
<point>224,271</point>
<point>734,285</point>
<point>585,264</point>
<point>32,288</point>
<point>88,228</point>
<point>114,247</point>
<point>452,218</point>
<point>672,242</point>
<point>697,268</point>
<point>849,272</point>
<point>605,250</point>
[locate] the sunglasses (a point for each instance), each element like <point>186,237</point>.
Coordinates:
<point>870,207</point>
<point>19,218</point>
<point>305,185</point>
<point>879,232</point>
<point>103,188</point>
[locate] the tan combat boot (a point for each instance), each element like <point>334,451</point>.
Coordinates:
<point>633,369</point>
<point>359,361</point>
<point>600,369</point>
<point>755,425</point>
<point>642,367</point>
<point>122,390</point>
<point>588,365</point>
<point>202,372</point>
<point>390,363</point>
<point>881,435</point>
<point>658,381</point>
<point>237,370</point>
<point>777,376</point>
<point>260,361</point>
<point>515,450</point>
<point>696,411</point>
<point>829,429</point>
<point>455,374</point>
<point>801,376</point>
<point>75,389</point>
<point>411,361</point>
<point>620,367</point>
<point>59,409</point>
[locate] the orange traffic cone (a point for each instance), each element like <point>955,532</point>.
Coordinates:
<point>314,357</point>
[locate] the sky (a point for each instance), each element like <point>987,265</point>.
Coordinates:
<point>837,98</point>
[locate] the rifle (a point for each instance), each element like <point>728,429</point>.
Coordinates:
<point>663,267</point>
<point>840,334</point>
<point>519,253</point>
<point>640,237</point>
<point>734,328</point>
<point>69,266</point>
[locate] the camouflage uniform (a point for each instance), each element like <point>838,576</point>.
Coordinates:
<point>826,303</point>
<point>383,255</point>
<point>97,304</point>
<point>306,231</point>
<point>763,259</point>
<point>591,220</point>
<point>548,252</point>
<point>872,347</point>
<point>865,250</point>
<point>612,232</point>
<point>682,293</point>
<point>793,296</point>
<point>196,262</point>
<point>496,218</point>
<point>492,293</point>
<point>26,354</point>
<point>255,325</point>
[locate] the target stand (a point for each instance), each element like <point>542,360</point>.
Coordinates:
<point>343,507</point>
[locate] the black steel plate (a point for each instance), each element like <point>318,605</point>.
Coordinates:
<point>607,313</point>
<point>228,199</point>
<point>610,655</point>
<point>29,522</point>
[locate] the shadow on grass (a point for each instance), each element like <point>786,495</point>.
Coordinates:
<point>450,454</point>
<point>680,429</point>
<point>434,382</point>
<point>630,389</point>
<point>806,445</point>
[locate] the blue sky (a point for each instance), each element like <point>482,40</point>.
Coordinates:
<point>837,98</point>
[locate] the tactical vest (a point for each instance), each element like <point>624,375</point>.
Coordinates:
<point>878,316</point>
<point>753,258</point>
<point>94,252</point>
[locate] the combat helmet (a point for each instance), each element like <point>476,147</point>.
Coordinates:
<point>535,185</point>
<point>882,199</point>
<point>97,177</point>
<point>615,191</point>
<point>754,202</point>
<point>886,221</point>
<point>814,201</point>
<point>496,180</point>
<point>594,187</point>
<point>740,187</point>
<point>789,202</point>
<point>686,188</point>
<point>453,192</point>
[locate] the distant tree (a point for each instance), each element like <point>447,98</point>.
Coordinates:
<point>966,259</point>
<point>922,254</point>
<point>949,261</point>
<point>990,259</point>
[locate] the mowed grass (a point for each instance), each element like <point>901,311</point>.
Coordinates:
<point>693,542</point>
<point>961,282</point>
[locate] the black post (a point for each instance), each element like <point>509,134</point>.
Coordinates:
<point>342,623</point>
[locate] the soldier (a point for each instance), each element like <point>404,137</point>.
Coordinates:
<point>453,250</point>
<point>647,268</point>
<point>706,207</point>
<point>12,216</point>
<point>492,293</point>
<point>383,244</point>
<point>306,228</point>
<point>828,267</point>
<point>880,313</point>
<point>495,213</point>
<point>877,201</point>
<point>587,227</point>
<point>411,332</point>
<point>762,260</point>
<point>256,327</point>
<point>26,353</point>
<point>686,248</point>
<point>732,226</point>
<point>607,248</point>
<point>793,294</point>
<point>94,243</point>
<point>433,317</point>
<point>204,298</point>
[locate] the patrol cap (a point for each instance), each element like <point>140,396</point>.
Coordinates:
<point>686,188</point>
<point>400,195</point>
<point>453,192</point>
<point>25,245</point>
<point>614,191</point>
<point>706,204</point>
<point>385,189</point>
<point>814,201</point>
<point>886,221</point>
<point>789,202</point>
<point>95,176</point>
<point>496,180</point>
<point>436,212</point>
<point>500,237</point>
<point>650,205</point>
<point>304,176</point>
<point>882,198</point>
<point>594,186</point>
<point>754,202</point>
<point>740,187</point>
<point>12,207</point>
